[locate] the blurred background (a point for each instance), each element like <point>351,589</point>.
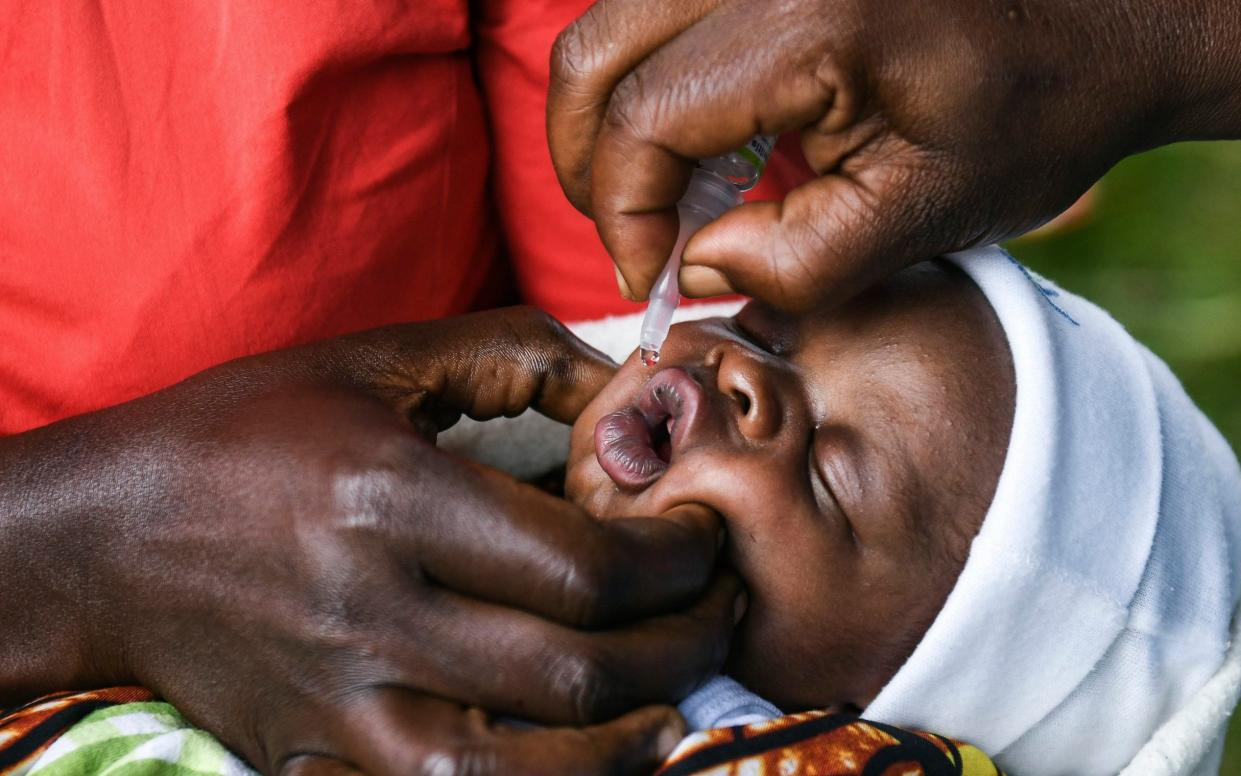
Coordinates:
<point>1158,244</point>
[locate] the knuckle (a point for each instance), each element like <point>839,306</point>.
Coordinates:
<point>591,592</point>
<point>516,329</point>
<point>628,111</point>
<point>455,758</point>
<point>539,323</point>
<point>573,56</point>
<point>444,760</point>
<point>590,682</point>
<point>367,493</point>
<point>652,103</point>
<point>585,55</point>
<point>579,594</point>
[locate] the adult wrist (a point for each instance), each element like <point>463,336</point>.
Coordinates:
<point>46,549</point>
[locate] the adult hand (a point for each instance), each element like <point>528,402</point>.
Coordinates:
<point>276,548</point>
<point>933,126</point>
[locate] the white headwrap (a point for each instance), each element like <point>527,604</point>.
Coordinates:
<point>1098,595</point>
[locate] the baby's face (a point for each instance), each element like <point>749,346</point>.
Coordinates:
<point>852,455</point>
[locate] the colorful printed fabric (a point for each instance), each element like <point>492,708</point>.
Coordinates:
<point>109,733</point>
<point>122,731</point>
<point>26,731</point>
<point>817,743</point>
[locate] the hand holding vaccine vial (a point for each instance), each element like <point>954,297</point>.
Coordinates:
<point>715,187</point>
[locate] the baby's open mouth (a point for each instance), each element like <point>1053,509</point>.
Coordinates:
<point>635,445</point>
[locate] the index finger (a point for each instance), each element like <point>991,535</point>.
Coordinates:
<point>487,364</point>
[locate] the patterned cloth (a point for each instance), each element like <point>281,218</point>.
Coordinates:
<point>817,743</point>
<point>109,732</point>
<point>123,732</point>
<point>26,731</point>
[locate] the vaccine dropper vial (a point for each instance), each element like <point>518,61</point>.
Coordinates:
<point>714,188</point>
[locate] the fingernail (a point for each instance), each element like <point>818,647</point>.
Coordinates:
<point>703,281</point>
<point>623,285</point>
<point>739,606</point>
<point>669,737</point>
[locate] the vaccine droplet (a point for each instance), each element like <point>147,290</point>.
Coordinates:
<point>649,357</point>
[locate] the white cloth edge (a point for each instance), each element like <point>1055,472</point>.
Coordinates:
<point>1179,747</point>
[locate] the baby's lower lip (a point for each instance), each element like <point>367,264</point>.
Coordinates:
<point>626,451</point>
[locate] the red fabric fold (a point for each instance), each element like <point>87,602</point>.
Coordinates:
<point>184,183</point>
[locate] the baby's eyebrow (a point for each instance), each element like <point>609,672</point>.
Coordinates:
<point>773,326</point>
<point>748,333</point>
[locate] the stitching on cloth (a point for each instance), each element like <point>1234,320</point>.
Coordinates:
<point>1048,293</point>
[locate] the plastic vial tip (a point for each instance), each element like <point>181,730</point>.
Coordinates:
<point>649,357</point>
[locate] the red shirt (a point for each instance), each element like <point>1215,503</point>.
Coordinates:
<point>187,182</point>
<point>183,183</point>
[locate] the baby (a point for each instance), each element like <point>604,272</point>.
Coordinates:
<point>852,456</point>
<point>966,502</point>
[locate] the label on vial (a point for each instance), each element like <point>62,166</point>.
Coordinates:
<point>758,151</point>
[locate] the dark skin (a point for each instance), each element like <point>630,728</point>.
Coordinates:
<point>933,126</point>
<point>853,456</point>
<point>277,548</point>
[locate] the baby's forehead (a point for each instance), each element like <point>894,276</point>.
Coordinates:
<point>931,298</point>
<point>927,334</point>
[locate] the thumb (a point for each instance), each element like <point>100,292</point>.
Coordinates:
<point>498,362</point>
<point>636,743</point>
<point>828,240</point>
<point>506,361</point>
<point>317,765</point>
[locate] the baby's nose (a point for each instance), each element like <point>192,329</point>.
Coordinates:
<point>745,381</point>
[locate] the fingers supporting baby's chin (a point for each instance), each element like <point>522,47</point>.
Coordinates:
<point>697,517</point>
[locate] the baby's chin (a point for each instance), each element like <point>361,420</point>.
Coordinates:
<point>586,484</point>
<point>590,495</point>
<point>590,488</point>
